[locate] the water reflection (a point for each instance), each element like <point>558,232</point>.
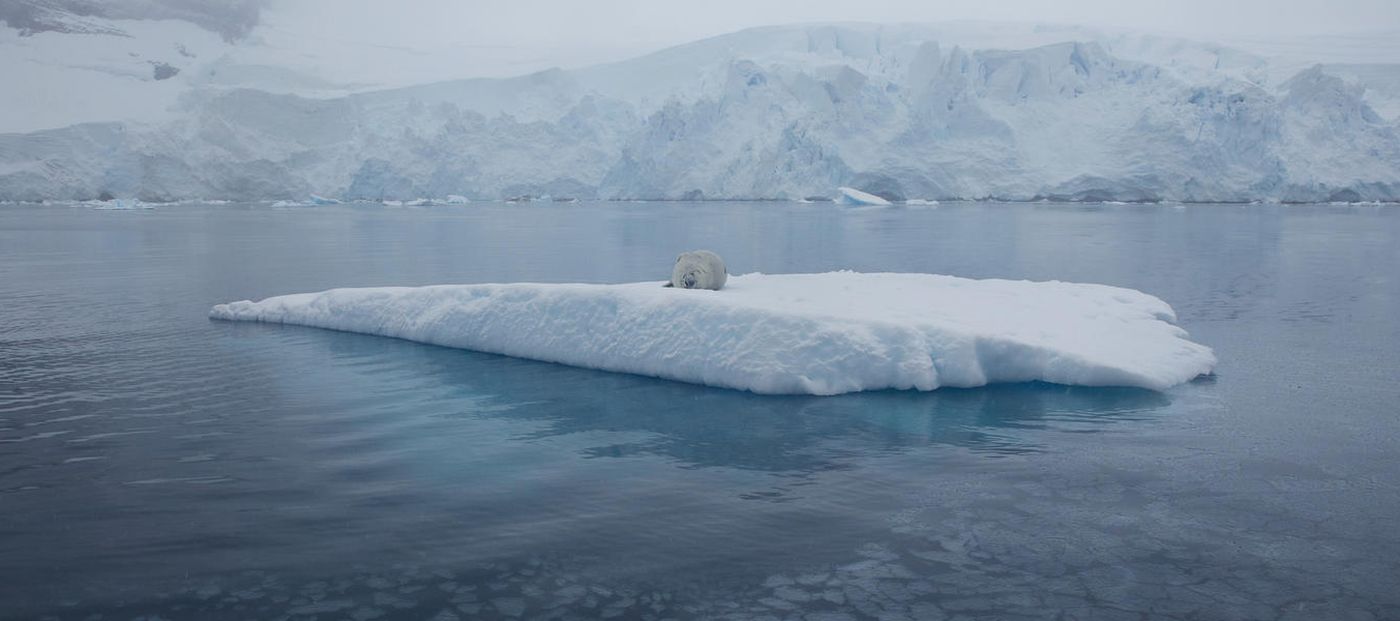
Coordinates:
<point>698,427</point>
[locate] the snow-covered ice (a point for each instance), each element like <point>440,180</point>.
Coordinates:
<point>768,113</point>
<point>120,204</point>
<point>820,334</point>
<point>852,196</point>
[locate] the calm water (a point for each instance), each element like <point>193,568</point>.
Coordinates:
<point>153,462</point>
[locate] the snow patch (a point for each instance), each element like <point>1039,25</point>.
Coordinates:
<point>820,334</point>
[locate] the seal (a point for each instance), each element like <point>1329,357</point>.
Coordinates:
<point>698,269</point>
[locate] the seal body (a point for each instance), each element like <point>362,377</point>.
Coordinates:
<point>699,269</point>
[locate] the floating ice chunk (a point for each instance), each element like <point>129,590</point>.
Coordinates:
<point>317,199</point>
<point>819,334</point>
<point>122,204</point>
<point>852,196</point>
<point>285,203</point>
<point>457,199</point>
<point>921,202</point>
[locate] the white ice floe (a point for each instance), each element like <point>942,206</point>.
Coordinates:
<point>120,204</point>
<point>817,334</point>
<point>852,196</point>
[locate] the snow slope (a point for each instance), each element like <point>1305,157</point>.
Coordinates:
<point>819,334</point>
<point>929,111</point>
<point>131,71</point>
<point>66,62</point>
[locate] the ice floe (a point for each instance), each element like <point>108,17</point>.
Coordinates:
<point>819,334</point>
<point>120,204</point>
<point>852,196</point>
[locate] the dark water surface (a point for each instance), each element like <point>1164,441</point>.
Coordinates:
<point>155,463</point>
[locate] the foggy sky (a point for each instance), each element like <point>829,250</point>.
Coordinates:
<point>555,27</point>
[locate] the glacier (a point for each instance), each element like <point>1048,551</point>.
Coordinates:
<point>897,111</point>
<point>819,334</point>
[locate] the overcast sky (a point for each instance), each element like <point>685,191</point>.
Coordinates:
<point>632,24</point>
<point>508,37</point>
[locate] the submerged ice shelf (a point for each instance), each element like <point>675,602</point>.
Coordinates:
<point>820,334</point>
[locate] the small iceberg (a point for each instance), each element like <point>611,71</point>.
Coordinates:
<point>457,199</point>
<point>317,199</point>
<point>852,196</point>
<point>122,204</point>
<point>818,334</point>
<point>921,202</point>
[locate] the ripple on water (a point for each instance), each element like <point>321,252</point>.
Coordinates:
<point>157,464</point>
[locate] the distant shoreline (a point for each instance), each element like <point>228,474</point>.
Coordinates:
<point>894,203</point>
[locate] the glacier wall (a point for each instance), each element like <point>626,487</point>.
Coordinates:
<point>769,113</point>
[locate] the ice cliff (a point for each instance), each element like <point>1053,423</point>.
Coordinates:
<point>785,112</point>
